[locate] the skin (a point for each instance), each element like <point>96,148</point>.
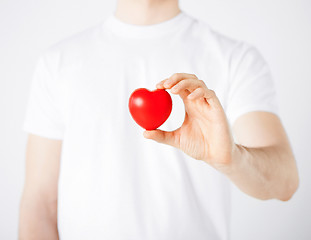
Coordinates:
<point>260,163</point>
<point>150,11</point>
<point>38,207</point>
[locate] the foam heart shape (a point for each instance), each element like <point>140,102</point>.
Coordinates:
<point>150,109</point>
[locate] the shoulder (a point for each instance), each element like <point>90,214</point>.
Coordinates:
<point>231,50</point>
<point>74,47</point>
<point>237,52</point>
<point>78,40</point>
<point>212,37</point>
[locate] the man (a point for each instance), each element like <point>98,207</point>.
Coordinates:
<point>90,174</point>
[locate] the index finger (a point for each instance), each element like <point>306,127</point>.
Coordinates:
<point>175,78</point>
<point>160,84</point>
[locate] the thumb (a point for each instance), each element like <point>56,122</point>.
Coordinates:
<point>160,136</point>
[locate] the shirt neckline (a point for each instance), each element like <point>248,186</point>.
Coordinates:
<point>120,28</point>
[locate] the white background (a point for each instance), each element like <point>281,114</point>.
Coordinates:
<point>281,30</point>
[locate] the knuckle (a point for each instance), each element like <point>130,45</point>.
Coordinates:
<point>201,83</point>
<point>175,75</point>
<point>212,92</point>
<point>193,75</point>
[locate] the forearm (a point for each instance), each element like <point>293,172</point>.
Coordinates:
<point>264,173</point>
<point>38,219</point>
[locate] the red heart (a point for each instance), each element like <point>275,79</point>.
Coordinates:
<point>150,109</point>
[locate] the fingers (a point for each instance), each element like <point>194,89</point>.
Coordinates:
<point>175,78</point>
<point>197,93</point>
<point>188,86</point>
<point>208,94</point>
<point>160,84</point>
<point>160,136</point>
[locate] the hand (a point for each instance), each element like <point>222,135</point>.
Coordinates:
<point>205,134</point>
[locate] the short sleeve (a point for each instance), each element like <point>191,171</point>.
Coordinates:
<point>251,86</point>
<point>43,115</point>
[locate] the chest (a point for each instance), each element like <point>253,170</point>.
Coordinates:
<point>101,84</point>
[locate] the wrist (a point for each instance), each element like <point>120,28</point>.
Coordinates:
<point>234,161</point>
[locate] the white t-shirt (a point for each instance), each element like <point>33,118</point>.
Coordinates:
<point>115,184</point>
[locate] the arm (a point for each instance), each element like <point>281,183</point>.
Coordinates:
<point>38,207</point>
<point>262,164</point>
